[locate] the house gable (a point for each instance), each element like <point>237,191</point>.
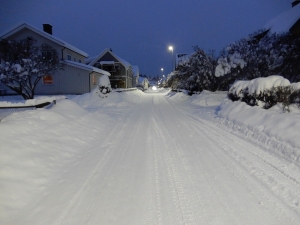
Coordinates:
<point>108,55</point>
<point>25,30</point>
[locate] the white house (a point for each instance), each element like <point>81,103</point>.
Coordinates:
<point>75,78</point>
<point>143,83</point>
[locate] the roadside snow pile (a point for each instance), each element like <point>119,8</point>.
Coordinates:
<point>39,148</point>
<point>92,101</point>
<point>36,144</point>
<point>207,98</point>
<point>272,127</point>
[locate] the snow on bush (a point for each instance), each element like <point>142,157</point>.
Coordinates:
<point>258,85</point>
<point>222,68</point>
<point>104,85</point>
<point>295,86</point>
<point>266,92</point>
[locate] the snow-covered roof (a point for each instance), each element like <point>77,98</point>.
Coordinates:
<point>107,62</point>
<point>88,60</point>
<point>284,21</point>
<point>135,70</point>
<point>42,33</point>
<point>122,61</point>
<point>86,67</point>
<point>143,80</point>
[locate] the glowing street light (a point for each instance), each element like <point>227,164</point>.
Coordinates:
<point>171,49</point>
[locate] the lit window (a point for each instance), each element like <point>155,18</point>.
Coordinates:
<point>94,79</point>
<point>47,79</point>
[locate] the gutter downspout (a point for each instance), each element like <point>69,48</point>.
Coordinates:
<point>62,53</point>
<point>90,81</point>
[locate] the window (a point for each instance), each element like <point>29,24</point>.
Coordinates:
<point>79,60</point>
<point>48,79</point>
<point>74,59</point>
<point>47,52</point>
<point>109,68</point>
<point>69,57</point>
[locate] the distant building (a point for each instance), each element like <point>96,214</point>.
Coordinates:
<point>120,70</point>
<point>143,83</point>
<point>136,75</point>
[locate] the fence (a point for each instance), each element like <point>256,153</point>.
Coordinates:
<point>6,111</point>
<point>124,90</point>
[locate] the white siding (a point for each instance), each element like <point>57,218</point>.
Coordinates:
<point>70,80</point>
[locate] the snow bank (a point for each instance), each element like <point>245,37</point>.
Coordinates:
<point>273,129</point>
<point>266,125</point>
<point>37,145</point>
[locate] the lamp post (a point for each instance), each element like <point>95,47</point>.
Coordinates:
<point>171,49</point>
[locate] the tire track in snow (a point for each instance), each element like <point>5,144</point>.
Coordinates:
<point>195,200</point>
<point>116,131</point>
<point>266,179</point>
<point>187,200</point>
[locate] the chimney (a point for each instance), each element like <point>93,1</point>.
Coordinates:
<point>295,2</point>
<point>47,28</point>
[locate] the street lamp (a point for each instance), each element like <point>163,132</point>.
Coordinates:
<point>162,70</point>
<point>171,49</point>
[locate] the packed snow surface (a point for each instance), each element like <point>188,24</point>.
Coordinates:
<point>150,158</point>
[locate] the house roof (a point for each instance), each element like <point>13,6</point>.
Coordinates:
<point>21,26</point>
<point>284,21</point>
<point>93,60</point>
<point>86,67</point>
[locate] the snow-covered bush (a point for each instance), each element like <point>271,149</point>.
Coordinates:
<point>265,92</point>
<point>104,85</point>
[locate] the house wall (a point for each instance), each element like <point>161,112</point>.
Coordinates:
<point>70,80</point>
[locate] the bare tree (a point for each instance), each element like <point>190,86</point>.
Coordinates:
<point>23,64</point>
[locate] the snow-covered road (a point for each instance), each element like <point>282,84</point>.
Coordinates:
<point>158,163</point>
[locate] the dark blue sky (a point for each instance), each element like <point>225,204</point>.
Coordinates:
<point>140,31</point>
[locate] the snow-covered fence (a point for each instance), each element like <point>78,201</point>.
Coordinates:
<point>7,110</point>
<point>124,90</point>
